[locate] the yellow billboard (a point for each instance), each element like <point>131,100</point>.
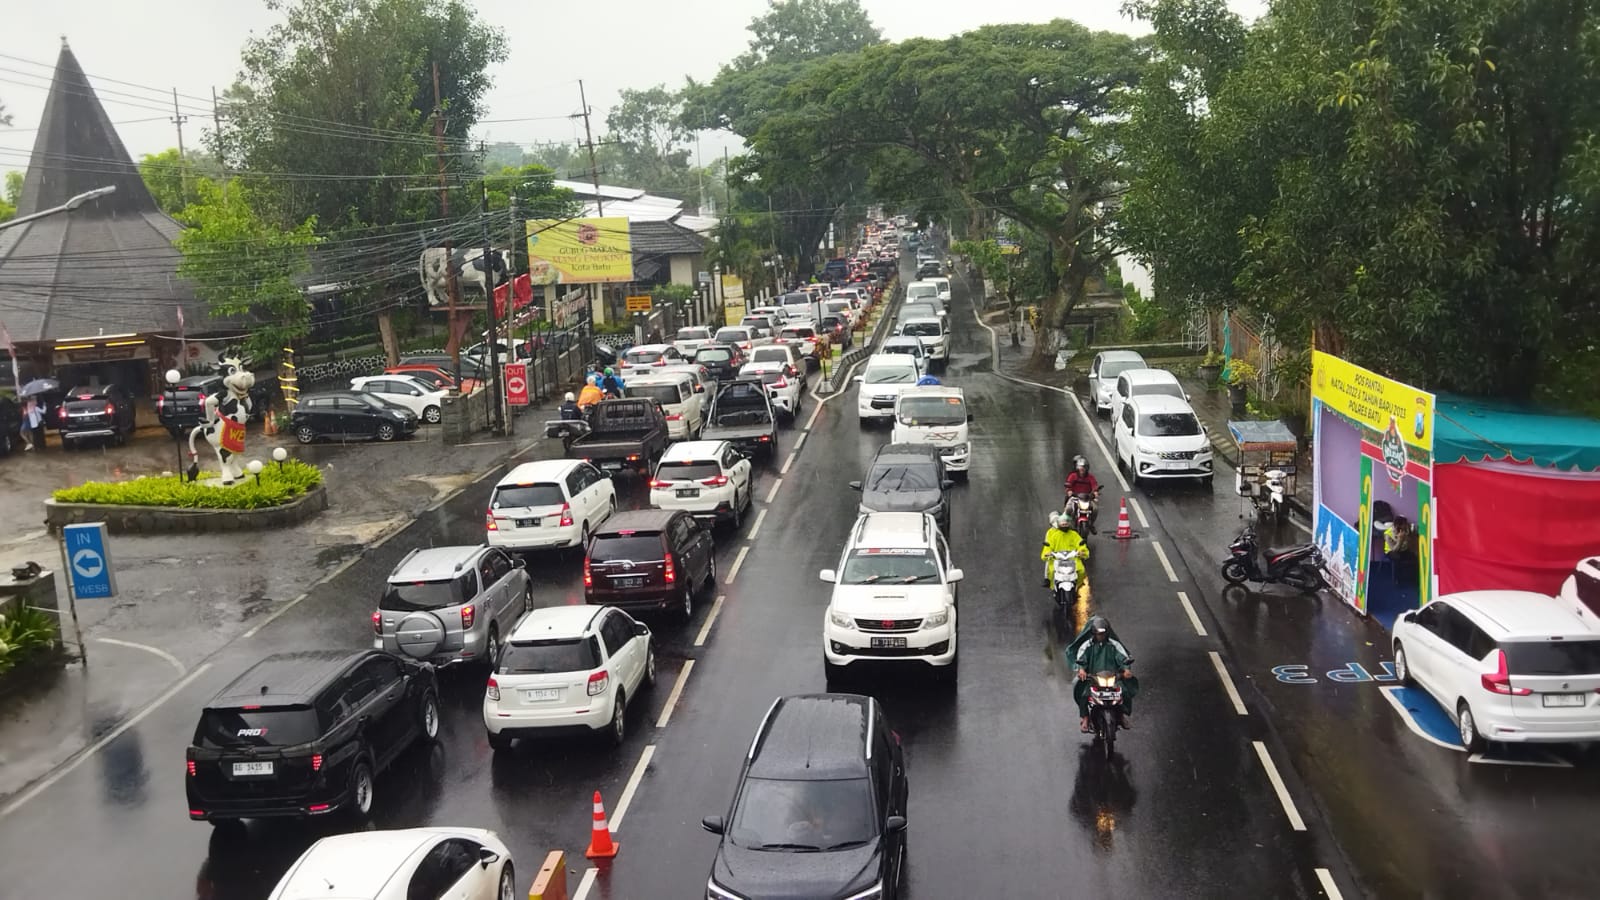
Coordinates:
<point>580,251</point>
<point>733,303</point>
<point>1372,400</point>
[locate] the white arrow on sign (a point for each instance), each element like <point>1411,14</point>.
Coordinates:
<point>516,384</point>
<point>88,563</point>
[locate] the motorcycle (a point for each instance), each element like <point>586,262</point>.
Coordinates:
<point>1065,583</point>
<point>1299,566</point>
<point>1079,509</point>
<point>1105,708</point>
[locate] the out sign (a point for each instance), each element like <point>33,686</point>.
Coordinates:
<point>517,384</point>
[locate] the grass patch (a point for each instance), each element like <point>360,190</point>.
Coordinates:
<point>276,488</point>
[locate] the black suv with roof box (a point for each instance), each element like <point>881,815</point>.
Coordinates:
<point>305,733</point>
<point>820,808</point>
<point>649,559</point>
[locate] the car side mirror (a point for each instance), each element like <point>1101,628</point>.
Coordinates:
<point>699,389</point>
<point>828,575</point>
<point>487,857</point>
<point>969,417</point>
<point>955,575</point>
<point>948,484</point>
<point>858,379</point>
<point>641,630</point>
<point>895,824</point>
<point>855,485</point>
<point>712,824</point>
<point>519,562</point>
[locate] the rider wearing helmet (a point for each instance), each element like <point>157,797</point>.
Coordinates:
<point>1082,484</point>
<point>1102,652</point>
<point>611,383</point>
<point>1061,538</point>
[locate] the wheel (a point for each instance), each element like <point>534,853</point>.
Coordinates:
<point>386,432</point>
<point>429,716</point>
<point>649,666</point>
<point>686,605</point>
<point>1303,577</point>
<point>499,741</point>
<point>618,729</point>
<point>738,513</point>
<point>1109,727</point>
<point>583,541</point>
<point>863,422</point>
<point>950,674</point>
<point>1234,572</point>
<point>508,883</point>
<point>361,791</point>
<point>431,415</point>
<point>305,434</point>
<point>831,673</point>
<point>711,574</point>
<point>1402,671</point>
<point>1468,728</point>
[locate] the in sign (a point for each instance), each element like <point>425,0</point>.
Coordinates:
<point>517,384</point>
<point>89,561</point>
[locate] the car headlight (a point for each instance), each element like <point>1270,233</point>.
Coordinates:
<point>840,619</point>
<point>716,891</point>
<point>937,620</point>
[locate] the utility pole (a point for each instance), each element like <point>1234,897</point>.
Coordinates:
<point>453,342</point>
<point>727,183</point>
<point>178,118</point>
<point>497,423</point>
<point>222,146</point>
<point>588,140</point>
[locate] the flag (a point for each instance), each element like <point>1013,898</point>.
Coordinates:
<point>16,375</point>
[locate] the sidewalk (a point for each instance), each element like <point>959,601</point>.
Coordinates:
<point>1210,404</point>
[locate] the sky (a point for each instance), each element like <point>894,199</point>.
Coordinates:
<point>193,46</point>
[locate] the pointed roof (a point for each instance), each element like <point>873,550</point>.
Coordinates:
<point>108,267</point>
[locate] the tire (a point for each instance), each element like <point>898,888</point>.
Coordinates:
<point>617,731</point>
<point>711,574</point>
<point>432,415</point>
<point>738,513</point>
<point>1110,724</point>
<point>1402,671</point>
<point>386,432</point>
<point>428,717</point>
<point>305,434</point>
<point>863,422</point>
<point>499,741</point>
<point>1304,577</point>
<point>686,606</point>
<point>951,674</point>
<point>1234,572</point>
<point>832,675</point>
<point>491,647</point>
<point>361,791</point>
<point>1467,728</point>
<point>508,883</point>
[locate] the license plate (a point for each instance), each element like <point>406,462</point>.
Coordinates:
<point>527,523</point>
<point>252,768</point>
<point>627,582</point>
<point>1175,464</point>
<point>1564,699</point>
<point>688,492</point>
<point>540,695</point>
<point>611,466</point>
<point>888,643</point>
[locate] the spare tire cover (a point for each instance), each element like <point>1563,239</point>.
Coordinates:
<point>420,635</point>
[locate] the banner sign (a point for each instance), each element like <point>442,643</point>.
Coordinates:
<point>732,299</point>
<point>1371,400</point>
<point>638,303</point>
<point>580,251</point>
<point>517,384</point>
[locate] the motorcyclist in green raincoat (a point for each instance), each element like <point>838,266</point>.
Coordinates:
<point>1059,538</point>
<point>1096,649</point>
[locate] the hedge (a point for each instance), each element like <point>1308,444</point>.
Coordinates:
<point>275,489</point>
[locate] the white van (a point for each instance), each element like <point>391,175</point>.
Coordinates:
<point>924,291</point>
<point>1156,436</point>
<point>1141,383</point>
<point>935,415</point>
<point>944,288</point>
<point>883,378</point>
<point>675,392</point>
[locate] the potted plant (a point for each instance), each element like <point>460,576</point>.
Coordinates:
<point>1240,376</point>
<point>1210,369</point>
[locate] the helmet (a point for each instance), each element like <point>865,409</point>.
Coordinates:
<point>594,379</point>
<point>1055,520</point>
<point>1099,625</point>
<point>1078,462</point>
<point>610,371</point>
<point>569,398</point>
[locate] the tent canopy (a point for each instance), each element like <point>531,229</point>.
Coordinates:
<point>1472,430</point>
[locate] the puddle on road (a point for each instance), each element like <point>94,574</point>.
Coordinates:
<point>328,557</point>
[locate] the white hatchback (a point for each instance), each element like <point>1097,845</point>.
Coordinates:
<point>709,479</point>
<point>459,863</point>
<point>1510,666</point>
<point>548,503</point>
<point>568,670</point>
<point>1157,436</point>
<point>1103,374</point>
<point>418,396</point>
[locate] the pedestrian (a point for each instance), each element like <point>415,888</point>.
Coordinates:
<point>32,423</point>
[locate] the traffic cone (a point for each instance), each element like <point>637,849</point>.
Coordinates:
<point>1124,527</point>
<point>269,423</point>
<point>601,846</point>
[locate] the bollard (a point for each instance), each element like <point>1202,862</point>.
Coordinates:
<point>551,883</point>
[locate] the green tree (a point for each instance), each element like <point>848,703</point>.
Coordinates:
<point>12,196</point>
<point>799,30</point>
<point>173,181</point>
<point>245,267</point>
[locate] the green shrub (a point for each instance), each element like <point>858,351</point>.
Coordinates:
<point>25,631</point>
<point>275,489</point>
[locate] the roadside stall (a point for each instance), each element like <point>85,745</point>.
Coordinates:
<point>1266,472</point>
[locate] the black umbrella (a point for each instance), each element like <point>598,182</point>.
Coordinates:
<point>39,386</point>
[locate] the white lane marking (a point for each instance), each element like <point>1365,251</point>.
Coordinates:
<point>733,570</point>
<point>1227,684</point>
<point>1138,512</point>
<point>787,463</point>
<point>1394,701</point>
<point>1167,566</point>
<point>798,443</point>
<point>584,884</point>
<point>1325,878</point>
<point>1295,822</point>
<point>756,528</point>
<point>99,745</point>
<point>814,413</point>
<point>176,664</point>
<point>677,691</point>
<point>614,821</point>
<point>1193,619</point>
<point>705,630</point>
<point>774,492</point>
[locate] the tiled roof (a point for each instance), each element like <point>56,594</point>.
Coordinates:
<point>664,238</point>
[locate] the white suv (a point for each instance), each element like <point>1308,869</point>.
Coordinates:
<point>549,503</point>
<point>1510,666</point>
<point>1157,436</point>
<point>568,669</point>
<point>709,479</point>
<point>882,380</point>
<point>935,415</point>
<point>894,596</point>
<point>932,331</point>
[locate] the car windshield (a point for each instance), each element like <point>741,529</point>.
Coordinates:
<point>1111,368</point>
<point>518,496</point>
<point>803,816</point>
<point>535,657</point>
<point>921,329</point>
<point>1179,424</point>
<point>1552,657</point>
<point>687,471</point>
<point>694,334</point>
<point>907,348</point>
<point>918,310</point>
<point>921,290</point>
<point>1160,388</point>
<point>642,356</point>
<point>917,476</point>
<point>713,355</point>
<point>878,565</point>
<point>890,375</point>
<point>769,377</point>
<point>412,596</point>
<point>631,547</point>
<point>802,333</point>
<point>918,411</point>
<point>770,354</point>
<point>271,726</point>
<point>374,402</point>
<point>732,335</point>
<point>432,380</point>
<point>664,394</point>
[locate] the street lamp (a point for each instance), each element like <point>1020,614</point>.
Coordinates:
<point>279,455</point>
<point>68,206</point>
<point>173,376</point>
<point>254,468</point>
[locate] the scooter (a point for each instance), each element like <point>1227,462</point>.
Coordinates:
<point>1299,566</point>
<point>1065,584</point>
<point>568,430</point>
<point>1079,510</point>
<point>1105,708</point>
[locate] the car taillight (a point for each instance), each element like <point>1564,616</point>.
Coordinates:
<point>200,398</point>
<point>669,571</point>
<point>489,522</point>
<point>110,410</point>
<point>1499,681</point>
<point>468,614</point>
<point>715,481</point>
<point>61,413</point>
<point>161,403</point>
<point>659,362</point>
<point>566,514</point>
<point>493,689</point>
<point>674,417</point>
<point>598,682</point>
<point>377,623</point>
<point>316,762</point>
<point>191,768</point>
<point>781,383</point>
<point>658,483</point>
<point>588,579</point>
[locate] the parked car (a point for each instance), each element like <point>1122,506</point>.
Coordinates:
<point>936,415</point>
<point>451,605</point>
<point>305,733</point>
<point>350,414</point>
<point>471,367</point>
<point>645,355</point>
<point>405,390</point>
<point>1142,382</point>
<point>623,434</point>
<point>906,478</point>
<point>548,503</point>
<point>675,391</point>
<point>834,758</point>
<point>1509,666</point>
<point>688,340</point>
<point>457,863</point>
<point>568,670</point>
<point>1158,436</point>
<point>785,390</point>
<point>1103,374</point>
<point>87,413</point>
<point>650,559</point>
<point>181,407</point>
<point>742,414</point>
<point>894,597</point>
<point>708,479</point>
<point>882,379</point>
<point>721,360</point>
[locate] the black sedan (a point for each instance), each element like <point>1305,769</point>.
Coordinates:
<point>350,415</point>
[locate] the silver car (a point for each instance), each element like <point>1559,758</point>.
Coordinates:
<point>451,604</point>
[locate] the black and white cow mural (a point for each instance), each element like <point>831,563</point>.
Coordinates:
<point>474,272</point>
<point>225,418</point>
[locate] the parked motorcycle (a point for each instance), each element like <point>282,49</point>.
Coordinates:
<point>1079,508</point>
<point>1105,708</point>
<point>1065,583</point>
<point>1299,566</point>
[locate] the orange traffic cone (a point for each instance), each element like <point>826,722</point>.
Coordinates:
<point>269,423</point>
<point>601,846</point>
<point>1124,527</point>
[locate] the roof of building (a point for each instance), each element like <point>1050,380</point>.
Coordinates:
<point>108,267</point>
<point>664,239</point>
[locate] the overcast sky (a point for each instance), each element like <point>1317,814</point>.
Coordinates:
<point>193,45</point>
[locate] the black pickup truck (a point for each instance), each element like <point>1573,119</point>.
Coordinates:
<point>626,433</point>
<point>742,415</point>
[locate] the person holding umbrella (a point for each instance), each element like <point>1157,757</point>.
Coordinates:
<point>32,422</point>
<point>38,392</point>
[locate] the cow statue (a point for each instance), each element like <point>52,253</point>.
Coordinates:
<point>471,267</point>
<point>225,412</point>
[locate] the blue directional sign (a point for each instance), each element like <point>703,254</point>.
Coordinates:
<point>89,561</point>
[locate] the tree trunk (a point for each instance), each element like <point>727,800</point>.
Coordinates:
<point>391,347</point>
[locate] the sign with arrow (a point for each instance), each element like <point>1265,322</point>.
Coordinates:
<point>89,561</point>
<point>517,384</point>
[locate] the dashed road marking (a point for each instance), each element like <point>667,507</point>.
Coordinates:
<point>733,570</point>
<point>615,819</point>
<point>1325,878</point>
<point>787,463</point>
<point>1295,822</point>
<point>584,884</point>
<point>1193,619</point>
<point>814,413</point>
<point>677,691</point>
<point>1227,684</point>
<point>1165,565</point>
<point>705,630</point>
<point>1138,512</point>
<point>756,528</point>
<point>798,443</point>
<point>774,492</point>
<point>176,663</point>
